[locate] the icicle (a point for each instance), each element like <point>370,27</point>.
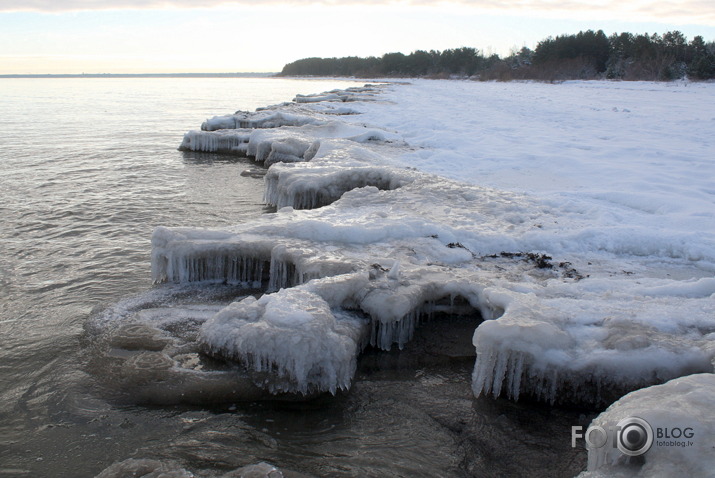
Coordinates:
<point>212,266</point>
<point>283,273</point>
<point>400,332</point>
<point>223,141</point>
<point>394,273</point>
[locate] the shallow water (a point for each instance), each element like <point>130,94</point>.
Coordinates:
<point>88,167</point>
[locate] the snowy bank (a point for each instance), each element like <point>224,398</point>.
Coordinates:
<point>575,224</point>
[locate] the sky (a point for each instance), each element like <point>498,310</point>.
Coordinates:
<point>172,36</point>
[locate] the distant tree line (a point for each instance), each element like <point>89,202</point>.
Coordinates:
<point>585,55</point>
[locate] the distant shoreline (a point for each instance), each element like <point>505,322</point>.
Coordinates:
<point>144,75</point>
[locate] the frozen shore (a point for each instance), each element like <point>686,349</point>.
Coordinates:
<point>576,222</point>
<point>611,181</point>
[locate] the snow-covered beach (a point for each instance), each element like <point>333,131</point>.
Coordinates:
<point>576,221</point>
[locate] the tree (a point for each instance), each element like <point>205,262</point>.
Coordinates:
<point>702,66</point>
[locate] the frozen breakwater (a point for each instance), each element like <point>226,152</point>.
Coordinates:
<point>575,223</point>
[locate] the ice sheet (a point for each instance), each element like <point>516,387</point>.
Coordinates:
<point>577,219</point>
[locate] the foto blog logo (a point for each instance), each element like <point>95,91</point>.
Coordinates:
<point>632,436</point>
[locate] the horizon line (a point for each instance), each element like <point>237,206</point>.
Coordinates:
<point>246,74</point>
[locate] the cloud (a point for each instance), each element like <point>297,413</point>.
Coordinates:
<point>697,12</point>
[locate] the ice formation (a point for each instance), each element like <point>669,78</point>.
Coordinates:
<point>145,349</point>
<point>563,349</point>
<point>286,144</point>
<point>338,168</point>
<point>292,337</point>
<point>148,468</point>
<point>680,415</point>
<point>240,133</point>
<point>262,119</point>
<point>143,467</point>
<point>584,292</point>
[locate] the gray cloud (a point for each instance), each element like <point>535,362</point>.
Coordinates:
<point>698,12</point>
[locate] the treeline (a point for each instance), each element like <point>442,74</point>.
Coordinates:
<point>585,55</point>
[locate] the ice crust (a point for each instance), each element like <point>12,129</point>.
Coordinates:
<point>587,256</point>
<point>678,404</point>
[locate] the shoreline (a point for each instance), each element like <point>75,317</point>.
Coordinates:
<point>584,322</point>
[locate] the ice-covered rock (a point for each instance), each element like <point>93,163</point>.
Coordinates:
<point>677,437</point>
<point>281,144</point>
<point>564,346</point>
<point>259,119</point>
<point>145,468</point>
<point>189,255</point>
<point>149,468</point>
<point>337,166</point>
<point>145,349</point>
<point>364,93</point>
<point>230,141</point>
<point>294,340</point>
<point>252,260</point>
<point>259,470</point>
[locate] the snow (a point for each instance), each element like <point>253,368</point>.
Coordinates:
<point>577,220</point>
<point>679,413</point>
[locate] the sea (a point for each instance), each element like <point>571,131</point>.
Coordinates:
<point>88,168</point>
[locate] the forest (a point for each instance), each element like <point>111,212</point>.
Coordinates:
<point>585,55</point>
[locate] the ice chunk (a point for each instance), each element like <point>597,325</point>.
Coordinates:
<point>252,260</point>
<point>312,186</point>
<point>566,350</point>
<point>144,349</point>
<point>680,424</point>
<point>261,141</point>
<point>319,98</point>
<point>292,339</point>
<point>149,468</point>
<point>279,144</point>
<point>364,93</point>
<point>288,150</point>
<point>143,467</point>
<point>182,256</point>
<point>336,166</point>
<point>259,470</point>
<point>260,119</point>
<point>222,141</point>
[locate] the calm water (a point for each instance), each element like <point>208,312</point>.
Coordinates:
<point>88,167</point>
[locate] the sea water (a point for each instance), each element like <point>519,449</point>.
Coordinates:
<point>88,167</point>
